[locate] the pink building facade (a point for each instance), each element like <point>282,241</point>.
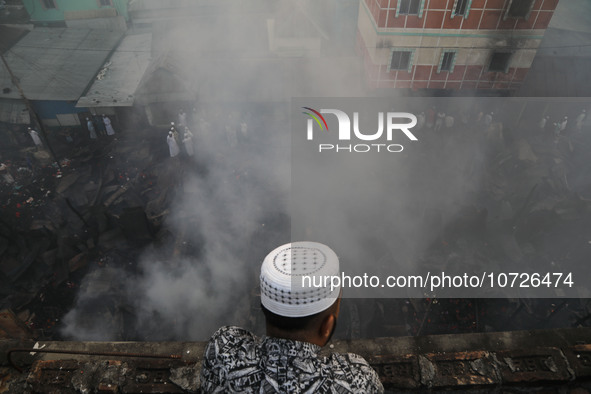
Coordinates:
<point>451,44</point>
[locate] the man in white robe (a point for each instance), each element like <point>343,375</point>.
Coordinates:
<point>172,145</point>
<point>449,121</point>
<point>91,130</point>
<point>439,121</point>
<point>421,121</point>
<point>36,139</point>
<point>563,124</point>
<point>188,142</point>
<point>108,126</point>
<point>543,122</point>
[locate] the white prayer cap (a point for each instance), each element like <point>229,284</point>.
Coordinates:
<point>283,288</point>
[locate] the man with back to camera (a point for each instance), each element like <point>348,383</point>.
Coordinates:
<point>299,322</point>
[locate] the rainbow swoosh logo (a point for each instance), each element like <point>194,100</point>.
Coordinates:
<point>316,115</point>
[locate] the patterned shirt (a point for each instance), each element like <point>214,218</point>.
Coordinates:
<point>237,361</point>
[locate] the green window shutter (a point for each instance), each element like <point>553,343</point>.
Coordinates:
<point>421,8</point>
<point>398,8</point>
<point>453,62</point>
<point>468,8</point>
<point>440,62</point>
<point>412,55</point>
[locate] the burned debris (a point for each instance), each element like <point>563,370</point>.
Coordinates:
<point>106,203</point>
<point>528,203</point>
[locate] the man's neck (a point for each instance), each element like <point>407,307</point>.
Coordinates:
<point>301,336</point>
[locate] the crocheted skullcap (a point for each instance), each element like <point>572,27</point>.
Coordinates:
<point>282,279</point>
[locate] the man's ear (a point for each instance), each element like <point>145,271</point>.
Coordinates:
<point>338,306</point>
<point>326,328</point>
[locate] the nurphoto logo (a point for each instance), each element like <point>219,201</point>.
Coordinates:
<point>396,123</point>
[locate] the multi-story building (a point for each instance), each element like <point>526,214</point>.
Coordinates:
<point>484,45</point>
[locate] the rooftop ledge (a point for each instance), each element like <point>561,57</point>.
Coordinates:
<point>557,360</point>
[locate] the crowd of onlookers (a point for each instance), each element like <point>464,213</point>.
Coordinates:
<point>234,128</point>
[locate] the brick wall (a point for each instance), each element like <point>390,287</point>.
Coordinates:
<point>425,76</point>
<point>474,44</point>
<point>483,14</point>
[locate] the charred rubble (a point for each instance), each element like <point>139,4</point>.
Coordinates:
<point>110,199</point>
<point>102,204</point>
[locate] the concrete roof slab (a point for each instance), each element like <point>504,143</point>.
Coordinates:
<point>57,63</point>
<point>116,84</point>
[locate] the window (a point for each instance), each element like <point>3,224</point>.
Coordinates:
<point>461,6</point>
<point>409,7</point>
<point>401,60</point>
<point>103,3</point>
<point>447,62</point>
<point>519,8</point>
<point>500,62</point>
<point>48,4</point>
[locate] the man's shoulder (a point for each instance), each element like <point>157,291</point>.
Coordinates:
<point>231,332</point>
<point>228,337</point>
<point>348,358</point>
<point>357,371</point>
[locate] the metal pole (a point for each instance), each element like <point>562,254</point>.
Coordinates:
<point>31,111</point>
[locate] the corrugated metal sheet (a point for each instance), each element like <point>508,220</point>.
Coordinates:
<point>119,81</point>
<point>12,111</point>
<point>57,63</point>
<point>89,14</point>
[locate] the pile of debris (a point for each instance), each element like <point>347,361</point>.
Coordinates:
<point>97,207</point>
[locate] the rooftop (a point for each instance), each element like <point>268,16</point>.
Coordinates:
<point>116,83</point>
<point>562,67</point>
<point>57,63</point>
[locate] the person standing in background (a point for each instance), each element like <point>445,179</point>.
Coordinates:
<point>91,129</point>
<point>36,139</point>
<point>108,126</point>
<point>173,147</point>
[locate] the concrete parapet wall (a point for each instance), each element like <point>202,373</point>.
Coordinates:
<point>556,360</point>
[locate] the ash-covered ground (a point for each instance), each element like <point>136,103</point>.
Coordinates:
<point>128,243</point>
